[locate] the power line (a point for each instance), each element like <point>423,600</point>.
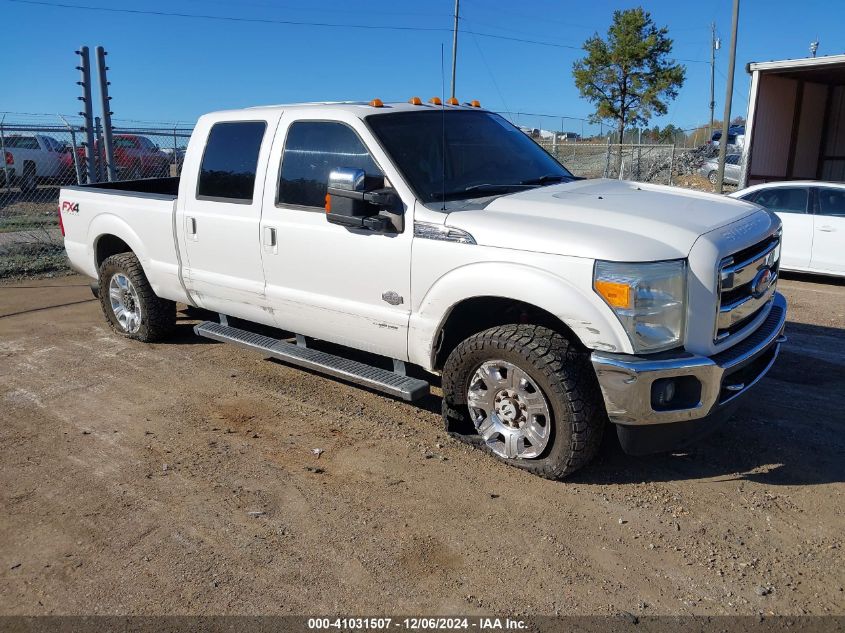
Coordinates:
<point>229,18</point>
<point>226,18</point>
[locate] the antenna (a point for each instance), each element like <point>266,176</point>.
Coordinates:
<point>443,125</point>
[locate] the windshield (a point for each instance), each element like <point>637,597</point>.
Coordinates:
<point>485,155</point>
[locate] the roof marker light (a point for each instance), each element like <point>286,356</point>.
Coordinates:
<point>435,101</point>
<point>377,103</point>
<point>453,101</point>
<point>475,103</point>
<point>415,101</point>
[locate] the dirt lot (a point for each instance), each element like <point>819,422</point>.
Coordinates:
<point>179,479</point>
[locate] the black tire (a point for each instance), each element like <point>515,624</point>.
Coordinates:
<point>29,181</point>
<point>158,316</point>
<point>713,177</point>
<point>561,370</point>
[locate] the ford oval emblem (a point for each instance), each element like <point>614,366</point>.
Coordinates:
<point>761,282</point>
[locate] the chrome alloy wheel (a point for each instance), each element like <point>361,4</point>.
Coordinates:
<point>124,302</point>
<point>509,411</point>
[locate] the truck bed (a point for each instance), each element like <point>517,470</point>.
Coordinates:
<point>141,213</point>
<point>156,186</point>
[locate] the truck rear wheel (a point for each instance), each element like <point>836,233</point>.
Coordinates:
<point>132,308</point>
<point>531,396</point>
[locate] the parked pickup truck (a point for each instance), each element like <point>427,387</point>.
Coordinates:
<point>444,238</point>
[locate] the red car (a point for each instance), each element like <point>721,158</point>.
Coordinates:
<point>134,157</point>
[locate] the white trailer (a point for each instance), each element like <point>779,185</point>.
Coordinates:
<point>796,121</point>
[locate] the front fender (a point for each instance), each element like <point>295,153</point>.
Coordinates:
<point>571,300</point>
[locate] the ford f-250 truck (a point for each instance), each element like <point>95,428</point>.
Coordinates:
<point>444,237</point>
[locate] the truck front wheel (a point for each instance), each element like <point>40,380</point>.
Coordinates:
<point>531,396</point>
<point>129,303</point>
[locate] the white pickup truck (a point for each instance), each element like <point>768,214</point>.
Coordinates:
<point>444,237</point>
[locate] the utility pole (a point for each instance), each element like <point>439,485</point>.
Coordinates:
<point>714,46</point>
<point>455,45</point>
<point>729,93</point>
<point>814,46</point>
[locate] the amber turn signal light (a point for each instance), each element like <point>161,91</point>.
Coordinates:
<point>616,294</point>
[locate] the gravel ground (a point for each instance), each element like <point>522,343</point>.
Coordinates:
<point>179,479</point>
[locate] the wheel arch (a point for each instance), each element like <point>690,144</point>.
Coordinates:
<point>477,314</point>
<point>112,235</point>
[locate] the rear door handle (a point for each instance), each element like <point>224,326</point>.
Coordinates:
<point>827,229</point>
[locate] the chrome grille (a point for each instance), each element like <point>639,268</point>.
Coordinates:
<point>743,291</point>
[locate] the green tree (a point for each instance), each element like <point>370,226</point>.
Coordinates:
<point>629,76</point>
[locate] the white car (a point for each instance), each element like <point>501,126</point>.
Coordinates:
<point>813,216</point>
<point>444,237</point>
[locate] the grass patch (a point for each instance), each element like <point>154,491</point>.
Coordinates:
<point>31,259</point>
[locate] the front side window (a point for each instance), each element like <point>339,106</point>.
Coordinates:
<point>459,154</point>
<point>230,161</point>
<point>312,150</point>
<point>832,202</point>
<point>783,199</point>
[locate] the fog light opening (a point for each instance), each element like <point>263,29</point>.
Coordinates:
<point>672,394</point>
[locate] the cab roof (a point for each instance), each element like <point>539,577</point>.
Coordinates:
<point>360,109</point>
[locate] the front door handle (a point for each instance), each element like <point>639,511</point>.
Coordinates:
<point>270,244</point>
<point>269,236</point>
<point>827,229</point>
<point>192,227</point>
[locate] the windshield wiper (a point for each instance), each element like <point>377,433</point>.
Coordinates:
<point>491,187</point>
<point>545,179</point>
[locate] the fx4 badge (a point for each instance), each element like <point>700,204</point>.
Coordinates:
<point>393,298</point>
<point>70,207</point>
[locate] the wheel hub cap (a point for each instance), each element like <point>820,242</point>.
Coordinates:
<point>124,302</point>
<point>509,411</point>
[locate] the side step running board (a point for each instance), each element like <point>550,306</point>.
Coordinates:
<point>337,366</point>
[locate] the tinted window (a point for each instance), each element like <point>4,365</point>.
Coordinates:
<point>22,142</point>
<point>482,155</point>
<point>832,202</point>
<point>230,160</point>
<point>783,199</point>
<point>125,142</point>
<point>312,150</point>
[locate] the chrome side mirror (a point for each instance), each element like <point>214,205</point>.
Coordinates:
<point>347,179</point>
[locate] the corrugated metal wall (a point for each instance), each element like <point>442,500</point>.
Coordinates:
<point>772,129</point>
<point>809,137</point>
<point>833,167</point>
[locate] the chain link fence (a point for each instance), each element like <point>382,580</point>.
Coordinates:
<point>41,154</point>
<point>661,164</point>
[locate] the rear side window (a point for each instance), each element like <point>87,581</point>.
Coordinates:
<point>312,150</point>
<point>230,161</point>
<point>783,199</point>
<point>832,202</point>
<point>22,142</point>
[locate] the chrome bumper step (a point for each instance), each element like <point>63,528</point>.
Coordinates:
<point>376,378</point>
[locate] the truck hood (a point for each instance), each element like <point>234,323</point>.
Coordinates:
<point>601,219</point>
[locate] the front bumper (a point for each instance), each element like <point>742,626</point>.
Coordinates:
<point>709,387</point>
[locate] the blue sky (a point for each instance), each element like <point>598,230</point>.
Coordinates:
<point>168,68</point>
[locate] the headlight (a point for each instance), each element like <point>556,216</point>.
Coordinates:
<point>649,299</point>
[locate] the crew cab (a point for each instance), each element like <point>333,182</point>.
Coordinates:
<point>442,237</point>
